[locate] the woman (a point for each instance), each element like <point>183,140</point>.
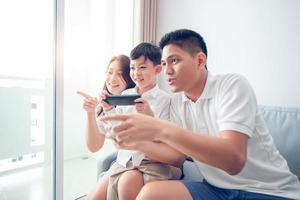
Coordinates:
<point>117,80</point>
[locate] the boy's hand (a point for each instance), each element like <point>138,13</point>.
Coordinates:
<point>142,106</point>
<point>90,103</point>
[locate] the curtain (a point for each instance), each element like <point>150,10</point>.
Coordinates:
<point>145,21</point>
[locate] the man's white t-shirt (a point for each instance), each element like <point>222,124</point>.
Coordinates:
<point>159,102</point>
<point>229,103</point>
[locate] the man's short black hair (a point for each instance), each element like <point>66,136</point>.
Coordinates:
<point>188,40</point>
<point>148,50</point>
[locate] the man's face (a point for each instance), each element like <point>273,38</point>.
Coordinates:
<point>143,73</point>
<point>181,69</point>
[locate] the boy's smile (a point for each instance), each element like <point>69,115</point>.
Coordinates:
<point>143,72</point>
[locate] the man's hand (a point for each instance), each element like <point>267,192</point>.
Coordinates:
<point>134,128</point>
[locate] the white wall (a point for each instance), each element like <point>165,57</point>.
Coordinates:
<point>259,39</point>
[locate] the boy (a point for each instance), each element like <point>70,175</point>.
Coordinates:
<point>137,165</point>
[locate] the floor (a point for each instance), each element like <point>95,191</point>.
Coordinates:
<point>35,183</point>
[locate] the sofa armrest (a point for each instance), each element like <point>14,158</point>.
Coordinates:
<point>104,163</point>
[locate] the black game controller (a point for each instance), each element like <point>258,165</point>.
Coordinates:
<point>122,100</point>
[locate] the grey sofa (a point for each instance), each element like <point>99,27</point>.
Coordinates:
<point>284,125</point>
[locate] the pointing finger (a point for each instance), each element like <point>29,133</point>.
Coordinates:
<point>83,94</point>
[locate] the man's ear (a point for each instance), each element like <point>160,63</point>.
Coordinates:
<point>201,58</point>
<point>158,69</point>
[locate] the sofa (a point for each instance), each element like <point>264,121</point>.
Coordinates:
<point>284,125</point>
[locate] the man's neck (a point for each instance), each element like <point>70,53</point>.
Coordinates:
<point>196,91</point>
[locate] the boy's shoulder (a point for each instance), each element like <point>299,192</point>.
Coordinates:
<point>160,93</point>
<point>163,92</point>
<point>129,91</point>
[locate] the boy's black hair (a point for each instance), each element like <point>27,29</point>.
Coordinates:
<point>148,50</point>
<point>186,39</point>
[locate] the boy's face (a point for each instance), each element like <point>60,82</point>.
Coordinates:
<point>143,73</point>
<point>181,69</point>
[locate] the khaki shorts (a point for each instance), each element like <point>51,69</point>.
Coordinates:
<point>152,171</point>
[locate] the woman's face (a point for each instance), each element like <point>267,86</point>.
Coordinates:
<point>115,82</point>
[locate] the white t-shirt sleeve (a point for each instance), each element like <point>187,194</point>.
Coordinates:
<point>236,105</point>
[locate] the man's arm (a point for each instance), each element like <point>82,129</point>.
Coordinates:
<point>157,152</point>
<point>227,152</point>
<point>163,153</point>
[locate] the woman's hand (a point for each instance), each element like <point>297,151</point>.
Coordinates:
<point>102,96</point>
<point>90,103</point>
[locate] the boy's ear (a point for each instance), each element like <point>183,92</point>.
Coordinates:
<point>158,69</point>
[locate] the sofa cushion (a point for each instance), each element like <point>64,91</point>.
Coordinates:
<point>284,126</point>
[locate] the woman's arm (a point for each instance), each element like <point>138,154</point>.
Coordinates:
<point>94,139</point>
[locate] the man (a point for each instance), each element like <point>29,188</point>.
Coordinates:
<point>218,124</point>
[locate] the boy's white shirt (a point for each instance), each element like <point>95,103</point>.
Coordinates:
<point>159,102</point>
<point>229,103</point>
